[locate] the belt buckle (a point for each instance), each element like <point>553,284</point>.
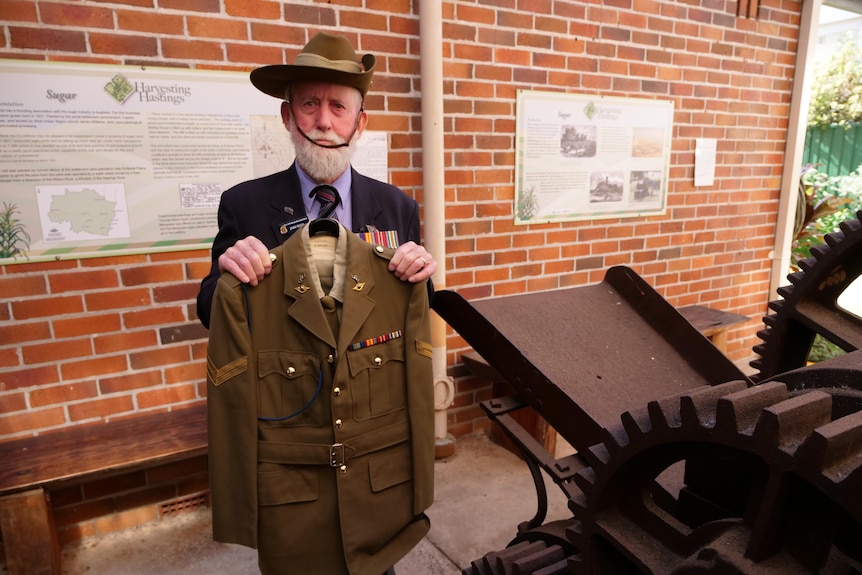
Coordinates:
<point>336,455</point>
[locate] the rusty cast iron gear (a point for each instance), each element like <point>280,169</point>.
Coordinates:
<point>727,480</point>
<point>809,305</point>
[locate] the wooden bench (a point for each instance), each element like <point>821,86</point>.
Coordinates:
<point>710,322</point>
<point>30,465</point>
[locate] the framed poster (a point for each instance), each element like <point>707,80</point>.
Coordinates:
<point>101,160</point>
<point>584,157</point>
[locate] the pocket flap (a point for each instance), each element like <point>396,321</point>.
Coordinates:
<point>278,484</point>
<point>391,468</point>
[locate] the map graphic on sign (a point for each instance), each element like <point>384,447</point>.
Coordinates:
<point>71,213</point>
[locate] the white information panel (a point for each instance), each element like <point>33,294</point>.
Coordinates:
<point>583,157</point>
<point>102,160</point>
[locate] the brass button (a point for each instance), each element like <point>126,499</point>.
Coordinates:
<point>378,249</point>
<point>337,391</point>
<point>378,361</point>
<point>343,469</point>
<point>337,423</point>
<point>272,257</point>
<point>291,370</point>
<point>330,358</point>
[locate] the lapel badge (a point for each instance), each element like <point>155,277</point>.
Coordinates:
<point>301,288</point>
<point>358,285</point>
<point>288,210</point>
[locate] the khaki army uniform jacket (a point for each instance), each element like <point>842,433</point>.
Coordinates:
<point>321,444</point>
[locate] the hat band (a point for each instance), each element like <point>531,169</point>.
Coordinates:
<point>315,61</point>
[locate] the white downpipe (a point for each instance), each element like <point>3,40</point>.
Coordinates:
<point>433,182</point>
<point>799,100</point>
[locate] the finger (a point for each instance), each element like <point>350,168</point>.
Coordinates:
<point>248,259</point>
<point>402,256</point>
<point>424,272</point>
<point>409,264</point>
<point>227,263</point>
<point>261,260</point>
<point>412,263</point>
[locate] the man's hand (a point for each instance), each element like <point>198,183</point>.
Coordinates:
<point>248,259</point>
<point>412,263</point>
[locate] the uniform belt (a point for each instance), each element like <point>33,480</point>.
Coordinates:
<point>334,454</point>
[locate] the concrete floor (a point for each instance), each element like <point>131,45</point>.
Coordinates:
<point>481,494</point>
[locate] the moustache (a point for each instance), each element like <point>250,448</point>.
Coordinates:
<point>332,146</point>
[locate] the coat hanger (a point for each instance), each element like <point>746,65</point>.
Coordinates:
<point>326,226</point>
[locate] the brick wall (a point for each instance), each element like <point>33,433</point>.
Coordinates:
<point>86,340</point>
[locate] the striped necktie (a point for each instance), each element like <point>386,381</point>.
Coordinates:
<point>328,198</point>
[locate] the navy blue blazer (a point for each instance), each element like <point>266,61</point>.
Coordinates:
<point>271,209</point>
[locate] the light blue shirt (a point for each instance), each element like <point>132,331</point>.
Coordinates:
<point>312,207</point>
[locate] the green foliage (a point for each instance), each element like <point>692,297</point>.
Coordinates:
<point>826,202</point>
<point>14,239</point>
<point>823,349</point>
<point>528,205</point>
<point>836,93</point>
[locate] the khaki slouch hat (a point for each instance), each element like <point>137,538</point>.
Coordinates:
<point>325,58</point>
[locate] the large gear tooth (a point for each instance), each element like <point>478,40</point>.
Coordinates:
<point>500,562</point>
<point>795,278</point>
<point>777,306</point>
<point>739,411</point>
<point>834,448</point>
<point>763,334</point>
<point>756,364</point>
<point>596,456</point>
<point>636,423</point>
<point>536,563</point>
<point>664,414</point>
<point>506,561</point>
<point>832,240</point>
<point>586,481</point>
<point>575,535</point>
<point>698,407</point>
<point>578,503</point>
<point>788,423</point>
<point>808,264</point>
<point>614,440</point>
<point>850,226</point>
<point>784,291</point>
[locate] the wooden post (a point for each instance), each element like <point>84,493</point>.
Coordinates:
<point>29,537</point>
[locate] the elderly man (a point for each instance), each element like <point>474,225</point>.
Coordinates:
<point>320,395</point>
<point>323,93</point>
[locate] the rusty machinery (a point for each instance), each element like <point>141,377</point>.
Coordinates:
<point>683,464</point>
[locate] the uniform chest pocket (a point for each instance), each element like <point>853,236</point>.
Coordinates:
<point>378,379</point>
<point>288,388</point>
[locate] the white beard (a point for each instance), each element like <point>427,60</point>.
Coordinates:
<point>322,164</point>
